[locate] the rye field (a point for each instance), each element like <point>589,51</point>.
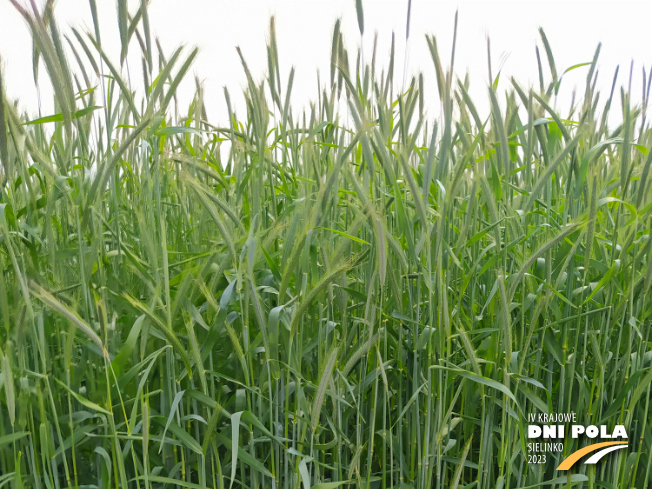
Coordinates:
<point>356,295</point>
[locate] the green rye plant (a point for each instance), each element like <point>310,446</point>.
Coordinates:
<point>291,300</point>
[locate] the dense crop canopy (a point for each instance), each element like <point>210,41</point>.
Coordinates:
<point>292,300</point>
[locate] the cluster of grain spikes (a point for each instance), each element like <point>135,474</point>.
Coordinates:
<point>290,300</point>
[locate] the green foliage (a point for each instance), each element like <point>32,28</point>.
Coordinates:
<point>293,301</point>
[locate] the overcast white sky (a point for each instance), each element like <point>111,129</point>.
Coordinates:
<point>304,30</point>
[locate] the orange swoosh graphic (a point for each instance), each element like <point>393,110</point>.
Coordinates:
<point>575,456</point>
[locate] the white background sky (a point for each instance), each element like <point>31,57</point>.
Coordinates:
<point>304,30</point>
